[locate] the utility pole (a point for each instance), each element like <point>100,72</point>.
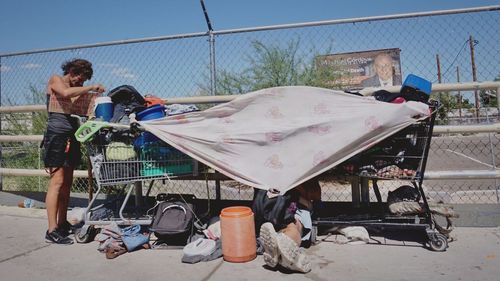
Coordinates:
<point>474,75</point>
<point>439,75</point>
<point>439,68</point>
<point>459,96</point>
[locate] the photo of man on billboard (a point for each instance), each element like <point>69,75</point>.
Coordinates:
<point>385,72</point>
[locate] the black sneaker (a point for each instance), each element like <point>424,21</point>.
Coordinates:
<point>56,238</point>
<point>65,229</point>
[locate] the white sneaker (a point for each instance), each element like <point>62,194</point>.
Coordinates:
<point>270,243</point>
<point>292,256</point>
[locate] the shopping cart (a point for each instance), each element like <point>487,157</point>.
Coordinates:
<point>402,157</point>
<point>122,157</point>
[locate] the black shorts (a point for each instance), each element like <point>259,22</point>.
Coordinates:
<point>61,150</point>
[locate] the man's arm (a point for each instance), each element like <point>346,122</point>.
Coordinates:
<point>57,85</point>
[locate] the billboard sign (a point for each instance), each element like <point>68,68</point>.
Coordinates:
<point>374,68</point>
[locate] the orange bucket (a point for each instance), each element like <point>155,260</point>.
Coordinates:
<point>238,234</point>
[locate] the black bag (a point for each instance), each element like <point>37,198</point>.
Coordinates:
<point>126,99</point>
<point>275,210</point>
<point>404,193</point>
<point>173,222</point>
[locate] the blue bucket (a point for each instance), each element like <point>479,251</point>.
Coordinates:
<point>154,112</point>
<point>145,138</point>
<point>104,108</point>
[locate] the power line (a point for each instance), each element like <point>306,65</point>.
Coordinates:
<point>475,42</point>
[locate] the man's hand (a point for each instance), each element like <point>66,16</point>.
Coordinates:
<point>98,88</point>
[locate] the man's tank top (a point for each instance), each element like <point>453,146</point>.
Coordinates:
<point>60,123</point>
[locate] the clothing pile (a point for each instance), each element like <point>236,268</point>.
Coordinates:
<point>405,201</point>
<point>115,241</point>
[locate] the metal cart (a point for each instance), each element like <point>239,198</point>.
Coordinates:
<point>124,160</point>
<point>402,156</point>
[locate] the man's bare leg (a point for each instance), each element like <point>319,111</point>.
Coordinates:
<point>294,231</point>
<point>64,194</point>
<point>292,256</point>
<point>52,198</point>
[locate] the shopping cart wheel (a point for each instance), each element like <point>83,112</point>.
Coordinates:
<point>438,242</point>
<point>85,234</point>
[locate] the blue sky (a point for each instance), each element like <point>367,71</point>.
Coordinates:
<point>180,67</point>
<point>34,24</point>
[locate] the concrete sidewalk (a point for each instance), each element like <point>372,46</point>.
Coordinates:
<point>25,256</point>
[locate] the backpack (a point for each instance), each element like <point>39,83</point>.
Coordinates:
<point>126,99</point>
<point>173,222</point>
<point>279,210</point>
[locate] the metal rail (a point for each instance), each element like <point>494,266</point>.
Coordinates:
<point>491,128</point>
<point>436,88</point>
<point>429,175</point>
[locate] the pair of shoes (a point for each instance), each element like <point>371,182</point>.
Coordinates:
<point>270,244</point>
<point>57,238</point>
<point>65,228</point>
<point>114,251</point>
<point>292,256</point>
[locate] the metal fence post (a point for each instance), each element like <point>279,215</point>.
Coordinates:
<point>498,102</point>
<point>497,187</point>
<point>211,42</point>
<point>1,146</point>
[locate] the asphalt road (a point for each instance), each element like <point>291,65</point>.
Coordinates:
<point>463,152</point>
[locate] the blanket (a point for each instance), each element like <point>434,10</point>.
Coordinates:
<point>281,137</point>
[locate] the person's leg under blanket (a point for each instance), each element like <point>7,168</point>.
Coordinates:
<point>284,247</point>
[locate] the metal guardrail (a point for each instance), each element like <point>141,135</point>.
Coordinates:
<point>468,129</point>
<point>436,88</point>
<point>429,175</point>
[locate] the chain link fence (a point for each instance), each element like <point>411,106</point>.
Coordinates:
<point>255,58</point>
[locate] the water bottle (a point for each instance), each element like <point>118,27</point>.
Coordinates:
<point>26,203</point>
<point>29,203</point>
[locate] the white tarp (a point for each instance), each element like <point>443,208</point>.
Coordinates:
<point>281,137</point>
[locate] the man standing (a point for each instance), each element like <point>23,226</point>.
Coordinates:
<point>61,150</point>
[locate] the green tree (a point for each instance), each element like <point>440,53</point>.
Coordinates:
<point>273,66</point>
<point>447,103</point>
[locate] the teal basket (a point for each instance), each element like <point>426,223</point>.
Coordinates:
<point>159,159</point>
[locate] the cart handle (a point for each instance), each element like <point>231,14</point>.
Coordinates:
<point>88,129</point>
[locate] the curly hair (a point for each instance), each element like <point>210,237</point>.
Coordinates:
<point>77,67</point>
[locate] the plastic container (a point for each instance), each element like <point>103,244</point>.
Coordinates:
<point>238,234</point>
<point>159,159</point>
<point>26,203</point>
<point>103,108</point>
<point>145,138</point>
<point>154,112</point>
<point>416,88</point>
